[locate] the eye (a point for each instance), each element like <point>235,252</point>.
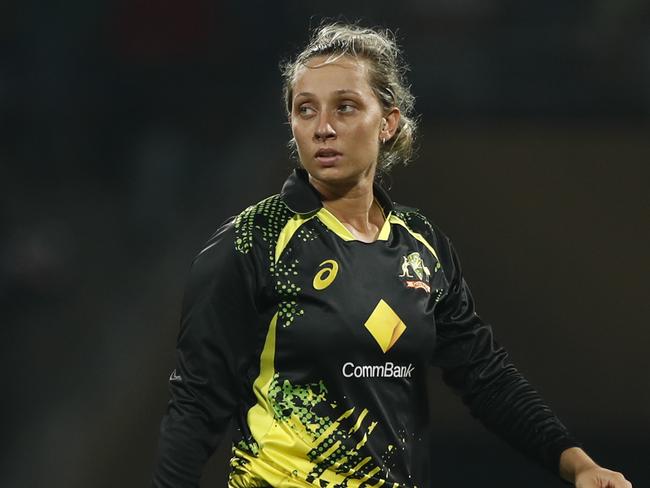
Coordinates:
<point>346,108</point>
<point>306,110</point>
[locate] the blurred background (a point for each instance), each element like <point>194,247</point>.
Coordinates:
<point>130,129</point>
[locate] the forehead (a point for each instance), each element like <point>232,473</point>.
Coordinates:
<point>320,74</point>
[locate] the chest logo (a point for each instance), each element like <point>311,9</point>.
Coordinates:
<point>413,267</point>
<point>327,274</point>
<point>385,326</point>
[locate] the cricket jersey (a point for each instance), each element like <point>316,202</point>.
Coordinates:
<point>318,345</point>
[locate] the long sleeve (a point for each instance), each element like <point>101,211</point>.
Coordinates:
<point>218,313</point>
<point>480,371</point>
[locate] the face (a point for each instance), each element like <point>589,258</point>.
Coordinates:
<point>337,121</point>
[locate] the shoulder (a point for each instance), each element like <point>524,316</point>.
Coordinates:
<point>261,224</point>
<point>254,229</point>
<point>242,243</point>
<point>418,223</point>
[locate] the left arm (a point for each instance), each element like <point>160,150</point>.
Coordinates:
<point>480,371</point>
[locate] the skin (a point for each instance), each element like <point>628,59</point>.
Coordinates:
<point>334,107</point>
<point>578,468</point>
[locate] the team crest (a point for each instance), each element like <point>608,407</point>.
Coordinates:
<point>414,272</point>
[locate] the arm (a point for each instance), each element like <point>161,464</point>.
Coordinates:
<point>578,468</point>
<point>218,311</point>
<point>480,371</point>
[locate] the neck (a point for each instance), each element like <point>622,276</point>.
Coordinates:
<point>352,205</point>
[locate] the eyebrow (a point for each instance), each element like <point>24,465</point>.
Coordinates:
<point>342,91</point>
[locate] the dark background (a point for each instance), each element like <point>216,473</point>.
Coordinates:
<point>130,129</point>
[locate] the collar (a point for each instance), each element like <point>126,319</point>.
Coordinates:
<point>302,198</point>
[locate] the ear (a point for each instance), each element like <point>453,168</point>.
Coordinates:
<point>389,124</point>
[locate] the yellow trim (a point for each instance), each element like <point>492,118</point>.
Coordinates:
<point>287,233</point>
<point>384,233</point>
<point>396,220</point>
<point>335,225</point>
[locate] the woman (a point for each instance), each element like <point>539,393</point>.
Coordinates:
<point>312,316</point>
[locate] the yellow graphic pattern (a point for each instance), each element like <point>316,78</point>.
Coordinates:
<point>302,448</point>
<point>302,439</point>
<point>385,326</point>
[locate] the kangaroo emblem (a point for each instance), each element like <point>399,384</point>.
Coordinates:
<point>415,262</point>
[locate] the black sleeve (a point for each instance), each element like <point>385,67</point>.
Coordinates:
<point>218,313</point>
<point>480,371</point>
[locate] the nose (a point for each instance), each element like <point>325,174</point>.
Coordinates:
<point>324,129</point>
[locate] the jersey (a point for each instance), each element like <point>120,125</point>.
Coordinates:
<point>318,346</point>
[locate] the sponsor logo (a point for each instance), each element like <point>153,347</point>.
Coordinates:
<point>175,376</point>
<point>413,267</point>
<point>326,275</point>
<point>385,326</point>
<point>386,370</point>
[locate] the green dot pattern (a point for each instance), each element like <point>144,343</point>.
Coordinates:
<point>267,219</point>
<point>305,234</point>
<point>309,404</point>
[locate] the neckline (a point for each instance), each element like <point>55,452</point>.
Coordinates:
<point>302,198</point>
<point>335,225</point>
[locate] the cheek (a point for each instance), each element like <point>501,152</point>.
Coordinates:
<point>298,133</point>
<point>302,139</point>
<point>367,133</point>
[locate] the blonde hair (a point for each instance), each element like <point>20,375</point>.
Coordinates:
<point>386,76</point>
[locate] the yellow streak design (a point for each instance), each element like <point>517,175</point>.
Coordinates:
<point>362,442</point>
<point>260,416</point>
<point>333,427</point>
<point>369,474</point>
<point>337,464</point>
<point>378,484</point>
<point>329,452</point>
<point>360,464</point>
<point>357,424</point>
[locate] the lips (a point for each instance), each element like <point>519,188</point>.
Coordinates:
<point>327,153</point>
<point>327,157</point>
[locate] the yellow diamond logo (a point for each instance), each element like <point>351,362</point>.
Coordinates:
<point>385,325</point>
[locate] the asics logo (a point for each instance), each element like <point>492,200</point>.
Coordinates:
<point>327,274</point>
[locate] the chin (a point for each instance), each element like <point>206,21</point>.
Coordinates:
<point>329,174</point>
<point>340,173</point>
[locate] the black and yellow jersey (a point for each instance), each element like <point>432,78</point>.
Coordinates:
<point>318,345</point>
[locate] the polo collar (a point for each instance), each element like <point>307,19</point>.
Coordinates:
<point>302,198</point>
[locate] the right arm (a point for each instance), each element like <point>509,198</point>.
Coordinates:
<point>218,311</point>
